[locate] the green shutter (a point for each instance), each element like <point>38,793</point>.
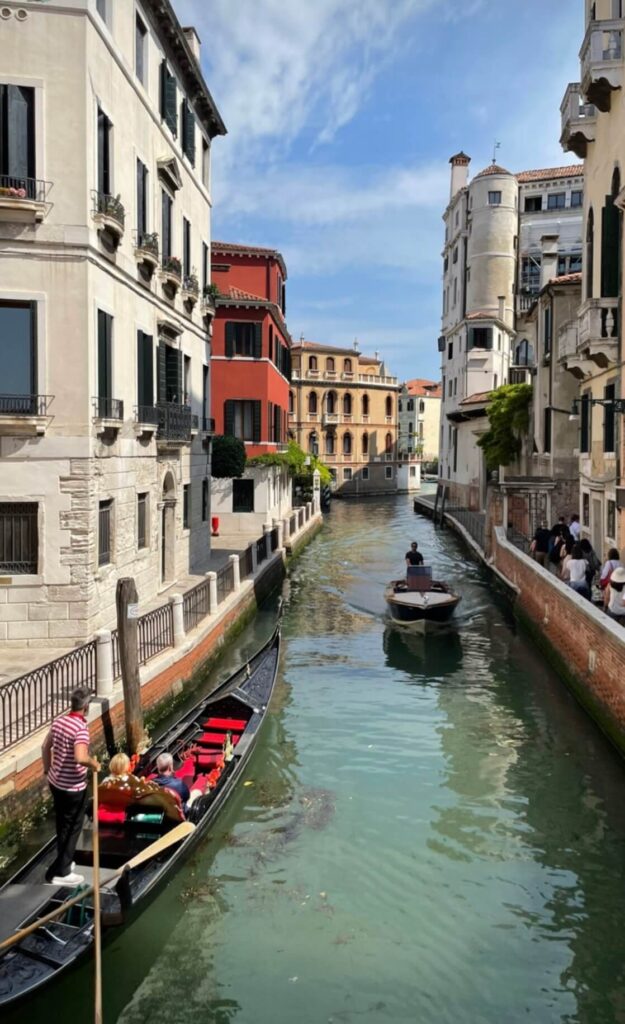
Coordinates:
<point>229,340</point>
<point>256,421</point>
<point>163,88</point>
<point>161,382</point>
<point>258,341</point>
<point>229,417</point>
<point>104,354</point>
<point>145,369</point>
<point>188,132</point>
<point>610,249</point>
<point>170,112</point>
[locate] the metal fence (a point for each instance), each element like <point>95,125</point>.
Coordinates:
<point>225,582</point>
<point>261,549</point>
<point>274,538</point>
<point>33,700</point>
<point>246,563</point>
<point>155,632</point>
<point>117,664</point>
<point>473,522</point>
<point>196,605</point>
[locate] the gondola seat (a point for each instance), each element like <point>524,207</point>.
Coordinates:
<point>231,724</point>
<point>216,739</point>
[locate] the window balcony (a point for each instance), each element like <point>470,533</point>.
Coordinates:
<point>24,415</point>
<point>146,252</point>
<point>146,419</point>
<point>313,417</point>
<point>569,355</point>
<point>329,419</point>
<point>109,216</point>
<point>579,120</point>
<point>602,61</point>
<point>599,331</point>
<point>330,374</point>
<point>171,275</point>
<point>312,374</point>
<point>520,375</point>
<point>22,199</point>
<point>208,304</point>
<point>108,414</point>
<point>175,424</point>
<point>190,290</point>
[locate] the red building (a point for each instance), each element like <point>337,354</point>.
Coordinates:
<point>251,358</point>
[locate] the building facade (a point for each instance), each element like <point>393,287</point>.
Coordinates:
<point>491,277</point>
<point>418,421</point>
<point>343,407</point>
<point>104,333</point>
<point>593,120</point>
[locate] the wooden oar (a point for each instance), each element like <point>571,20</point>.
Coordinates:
<point>97,924</point>
<point>178,833</point>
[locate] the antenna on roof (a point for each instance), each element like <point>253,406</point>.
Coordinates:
<point>355,344</point>
<point>496,147</point>
<point>301,337</point>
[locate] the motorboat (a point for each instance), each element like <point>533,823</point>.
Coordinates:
<point>418,599</point>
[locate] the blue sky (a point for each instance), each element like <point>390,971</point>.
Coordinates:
<point>342,116</point>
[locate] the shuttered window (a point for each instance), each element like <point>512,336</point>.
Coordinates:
<point>105,361</point>
<point>585,423</point>
<point>145,370</point>
<point>104,154</point>
<point>244,339</point>
<point>142,200</point>
<point>242,419</point>
<point>166,209</point>
<point>188,132</point>
<point>169,106</point>
<point>609,421</point>
<point>105,532</point>
<point>17,132</point>
<point>610,248</point>
<point>186,247</point>
<point>142,520</point>
<point>186,506</point>
<point>19,540</point>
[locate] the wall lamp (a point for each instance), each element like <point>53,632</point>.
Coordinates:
<point>616,404</point>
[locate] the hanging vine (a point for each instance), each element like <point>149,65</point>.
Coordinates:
<point>508,414</point>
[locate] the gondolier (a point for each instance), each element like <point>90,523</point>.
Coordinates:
<point>66,760</point>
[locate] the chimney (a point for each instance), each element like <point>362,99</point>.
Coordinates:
<point>549,260</point>
<point>459,173</point>
<point>501,306</point>
<point>193,42</point>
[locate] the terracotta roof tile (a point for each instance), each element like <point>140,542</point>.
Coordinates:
<point>575,278</point>
<point>424,388</point>
<point>237,293</point>
<point>479,398</point>
<point>480,315</point>
<point>493,169</point>
<point>545,173</point>
<point>251,250</point>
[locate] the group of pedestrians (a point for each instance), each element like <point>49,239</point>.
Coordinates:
<point>573,559</point>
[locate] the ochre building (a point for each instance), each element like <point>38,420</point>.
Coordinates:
<point>343,407</point>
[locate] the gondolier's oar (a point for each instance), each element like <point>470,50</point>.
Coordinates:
<point>178,833</point>
<point>97,924</point>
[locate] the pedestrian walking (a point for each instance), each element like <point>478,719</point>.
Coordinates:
<point>539,547</point>
<point>575,527</point>
<point>616,596</point>
<point>66,761</point>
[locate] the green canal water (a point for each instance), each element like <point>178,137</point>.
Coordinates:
<point>431,830</point>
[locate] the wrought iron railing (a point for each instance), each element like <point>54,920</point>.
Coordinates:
<point>174,421</point>
<point>109,206</point>
<point>19,537</point>
<point>117,662</point>
<point>225,582</point>
<point>196,605</point>
<point>146,414</point>
<point>33,700</point>
<point>108,408</point>
<point>29,189</point>
<point>24,405</point>
<point>155,632</point>
<point>473,522</point>
<point>147,241</point>
<point>191,285</point>
<point>246,563</point>
<point>261,549</point>
<point>172,265</point>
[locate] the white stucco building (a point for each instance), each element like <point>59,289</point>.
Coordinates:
<point>494,225</point>
<point>105,204</point>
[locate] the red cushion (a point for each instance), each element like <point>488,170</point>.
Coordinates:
<point>186,768</point>
<point>233,724</point>
<point>208,760</point>
<point>109,814</point>
<point>201,783</point>
<point>216,739</point>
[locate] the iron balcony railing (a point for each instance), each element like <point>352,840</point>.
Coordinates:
<point>108,408</point>
<point>146,414</point>
<point>191,285</point>
<point>30,189</point>
<point>109,206</point>
<point>175,422</point>
<point>24,405</point>
<point>172,265</point>
<point>147,241</point>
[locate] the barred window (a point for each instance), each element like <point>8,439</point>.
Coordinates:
<point>19,540</point>
<point>186,505</point>
<point>142,520</point>
<point>105,532</point>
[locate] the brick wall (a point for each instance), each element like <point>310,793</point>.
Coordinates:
<point>585,647</point>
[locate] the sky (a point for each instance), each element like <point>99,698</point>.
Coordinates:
<point>341,118</point>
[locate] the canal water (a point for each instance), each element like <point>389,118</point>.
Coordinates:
<point>430,830</point>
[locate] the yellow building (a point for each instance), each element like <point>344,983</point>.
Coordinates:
<point>593,127</point>
<point>343,407</point>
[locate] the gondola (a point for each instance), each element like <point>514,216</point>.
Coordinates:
<point>211,744</point>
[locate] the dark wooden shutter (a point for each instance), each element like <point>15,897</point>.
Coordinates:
<point>271,348</point>
<point>188,132</point>
<point>270,422</point>
<point>169,112</point>
<point>609,434</point>
<point>256,406</point>
<point>610,232</point>
<point>229,417</point>
<point>163,87</point>
<point>258,341</point>
<point>584,441</point>
<point>104,355</point>
<point>145,369</point>
<point>229,340</point>
<point>161,382</point>
<point>176,375</point>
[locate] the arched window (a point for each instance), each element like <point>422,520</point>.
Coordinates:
<point>347,366</point>
<point>411,428</point>
<point>421,406</point>
<point>388,443</point>
<point>611,241</point>
<point>330,443</point>
<point>291,402</point>
<point>589,257</point>
<point>389,405</point>
<point>312,402</point>
<point>312,443</point>
<point>331,402</point>
<point>524,353</point>
<point>347,444</point>
<point>347,404</point>
<point>330,364</point>
<point>365,405</point>
<point>365,444</point>
<point>312,362</point>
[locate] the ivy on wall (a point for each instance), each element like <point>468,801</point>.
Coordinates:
<point>508,412</point>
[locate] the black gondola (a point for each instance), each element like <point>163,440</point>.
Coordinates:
<point>236,710</point>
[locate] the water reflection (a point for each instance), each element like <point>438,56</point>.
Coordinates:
<point>436,655</point>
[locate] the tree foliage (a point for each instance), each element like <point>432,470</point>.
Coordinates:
<point>294,458</point>
<point>228,457</point>
<point>508,414</point>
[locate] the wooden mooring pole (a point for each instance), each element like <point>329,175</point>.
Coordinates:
<point>126,600</point>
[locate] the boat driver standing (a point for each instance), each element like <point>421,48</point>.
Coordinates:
<point>414,556</point>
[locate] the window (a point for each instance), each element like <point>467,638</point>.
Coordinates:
<point>242,495</point>
<point>421,406</point>
<point>446,264</point>
<point>18,356</point>
<point>365,405</point>
<point>455,290</point>
<point>331,402</point>
<point>19,539</point>
<point>244,339</point>
<point>142,200</point>
<point>530,274</point>
<point>611,241</point>
<point>142,520</point>
<point>186,506</point>
<point>186,247</point>
<point>347,366</point>
<point>547,330</point>
<point>188,131</point>
<point>169,374</point>
<point>589,255</point>
<point>204,266</point>
<point>585,424</point>
<point>547,430</point>
<point>145,375</point>
<point>410,428</point>
<point>533,204</point>
<point>169,106</point>
<point>388,443</point>
<point>105,185</point>
<point>347,405</point>
<point>388,405</point>
<point>105,363</point>
<point>312,363</point>
<point>347,444</point>
<point>494,198</point>
<point>556,201</point>
<point>455,256</point>
<point>365,444</point>
<point>586,508</point>
<point>205,496</point>
<point>206,163</point>
<point>365,473</point>
<point>450,350</point>
<point>105,535</point>
<point>330,364</point>
<point>141,38</point>
<point>388,472</point>
<point>400,405</point>
<point>449,393</point>
<point>347,473</point>
<point>17,134</point>
<point>609,442</point>
<point>480,337</point>
<point>186,380</point>
<point>577,198</point>
<point>312,402</point>
<point>329,443</point>
<point>242,420</point>
<point>205,394</point>
<point>410,405</point>
<point>291,402</point>
<point>524,354</point>
<point>610,527</point>
<point>167,204</point>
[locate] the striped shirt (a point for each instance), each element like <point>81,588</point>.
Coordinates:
<point>64,772</point>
